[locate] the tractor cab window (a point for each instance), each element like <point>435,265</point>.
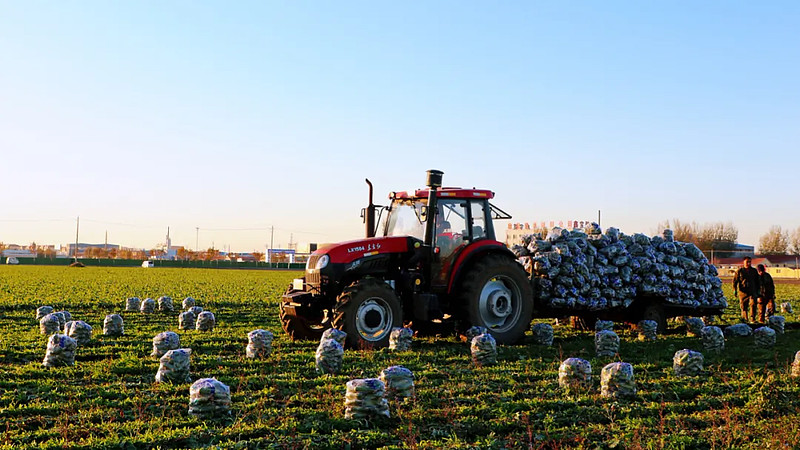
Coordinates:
<point>451,226</point>
<point>403,219</point>
<point>478,220</point>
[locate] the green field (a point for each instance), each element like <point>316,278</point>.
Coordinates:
<point>745,398</point>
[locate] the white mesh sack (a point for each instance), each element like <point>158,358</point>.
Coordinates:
<point>647,330</point>
<point>49,324</point>
<point>484,350</point>
<point>738,330</point>
<point>606,343</point>
<point>132,304</point>
<point>60,351</point>
<point>206,321</point>
<point>148,306</point>
<point>475,331</point>
<point>694,326</point>
<point>196,310</point>
<point>400,339</point>
<point>687,363</point>
<point>399,382</point>
<point>542,334</point>
<point>63,318</point>
<point>113,325</point>
<point>713,339</point>
<point>786,308</point>
<point>601,325</point>
<point>259,343</point>
<point>186,320</point>
<point>209,398</point>
<point>777,323</point>
<point>575,375</point>
<point>616,380</point>
<point>174,367</point>
<point>165,304</point>
<point>79,330</point>
<point>796,365</point>
<point>329,356</point>
<point>365,399</point>
<point>187,303</point>
<point>164,342</point>
<point>764,337</point>
<point>43,311</point>
<point>332,333</point>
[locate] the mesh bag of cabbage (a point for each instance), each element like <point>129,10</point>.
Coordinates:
<point>575,375</point>
<point>687,363</point>
<point>164,342</point>
<point>399,382</point>
<point>400,339</point>
<point>796,365</point>
<point>606,343</point>
<point>174,367</point>
<point>60,351</point>
<point>332,333</point>
<point>694,325</point>
<point>738,330</point>
<point>542,334</point>
<point>43,311</point>
<point>132,304</point>
<point>49,324</point>
<point>259,343</point>
<point>647,330</point>
<point>206,321</point>
<point>187,303</point>
<point>601,325</point>
<point>186,320</point>
<point>484,350</point>
<point>365,399</point>
<point>764,337</point>
<point>616,380</point>
<point>209,398</point>
<point>165,304</point>
<point>113,325</point>
<point>786,308</point>
<point>713,338</point>
<point>777,323</point>
<point>196,310</point>
<point>79,330</point>
<point>329,356</point>
<point>475,331</point>
<point>148,306</point>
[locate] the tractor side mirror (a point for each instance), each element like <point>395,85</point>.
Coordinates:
<point>363,214</point>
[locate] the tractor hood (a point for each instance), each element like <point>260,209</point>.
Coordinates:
<point>346,252</point>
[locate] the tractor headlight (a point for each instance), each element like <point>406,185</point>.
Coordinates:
<point>322,262</point>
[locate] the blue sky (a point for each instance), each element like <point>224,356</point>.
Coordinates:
<point>236,117</point>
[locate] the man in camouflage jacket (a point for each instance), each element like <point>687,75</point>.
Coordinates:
<point>746,284</point>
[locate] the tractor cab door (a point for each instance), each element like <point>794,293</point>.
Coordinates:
<point>458,223</point>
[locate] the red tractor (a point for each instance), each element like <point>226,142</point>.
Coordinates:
<point>436,262</point>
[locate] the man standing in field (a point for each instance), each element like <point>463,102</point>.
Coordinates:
<point>746,285</point>
<point>766,296</point>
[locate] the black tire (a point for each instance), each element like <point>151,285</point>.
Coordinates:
<point>497,295</point>
<point>655,312</point>
<point>301,328</point>
<point>367,310</point>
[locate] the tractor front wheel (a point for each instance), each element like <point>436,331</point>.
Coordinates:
<point>367,310</point>
<point>300,328</point>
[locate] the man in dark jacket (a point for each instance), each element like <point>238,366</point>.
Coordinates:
<point>766,297</point>
<point>746,285</point>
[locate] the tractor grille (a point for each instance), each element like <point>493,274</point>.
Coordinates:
<point>313,278</point>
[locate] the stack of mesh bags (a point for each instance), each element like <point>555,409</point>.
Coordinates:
<point>694,326</point>
<point>259,344</point>
<point>601,325</point>
<point>148,306</point>
<point>186,320</point>
<point>79,330</point>
<point>365,399</point>
<point>60,351</point>
<point>49,324</point>
<point>764,337</point>
<point>208,398</point>
<point>713,338</point>
<point>164,342</point>
<point>542,334</point>
<point>606,343</point>
<point>165,304</point>
<point>205,321</point>
<point>473,331</point>
<point>796,365</point>
<point>647,330</point>
<point>329,356</point>
<point>786,308</point>
<point>187,303</point>
<point>575,375</point>
<point>400,339</point>
<point>133,304</point>
<point>399,382</point>
<point>687,363</point>
<point>616,380</point>
<point>738,330</point>
<point>484,350</point>
<point>174,367</point>
<point>335,334</point>
<point>43,311</point>
<point>584,269</point>
<point>777,323</point>
<point>113,325</point>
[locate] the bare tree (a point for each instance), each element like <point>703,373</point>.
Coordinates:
<point>774,242</point>
<point>682,232</point>
<point>794,240</point>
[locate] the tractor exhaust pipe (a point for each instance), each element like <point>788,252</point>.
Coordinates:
<point>434,182</point>
<point>369,215</point>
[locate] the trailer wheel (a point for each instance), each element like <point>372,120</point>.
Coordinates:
<point>497,295</point>
<point>655,312</point>
<point>367,310</point>
<point>300,328</point>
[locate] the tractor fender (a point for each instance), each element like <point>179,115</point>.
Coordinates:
<point>472,253</point>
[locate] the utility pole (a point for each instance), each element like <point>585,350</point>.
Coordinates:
<point>598,217</point>
<point>77,227</point>
<point>196,238</point>
<point>271,237</point>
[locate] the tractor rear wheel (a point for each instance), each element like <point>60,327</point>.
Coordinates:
<point>367,310</point>
<point>300,328</point>
<point>497,295</point>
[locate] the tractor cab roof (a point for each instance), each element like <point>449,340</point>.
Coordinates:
<point>445,192</point>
